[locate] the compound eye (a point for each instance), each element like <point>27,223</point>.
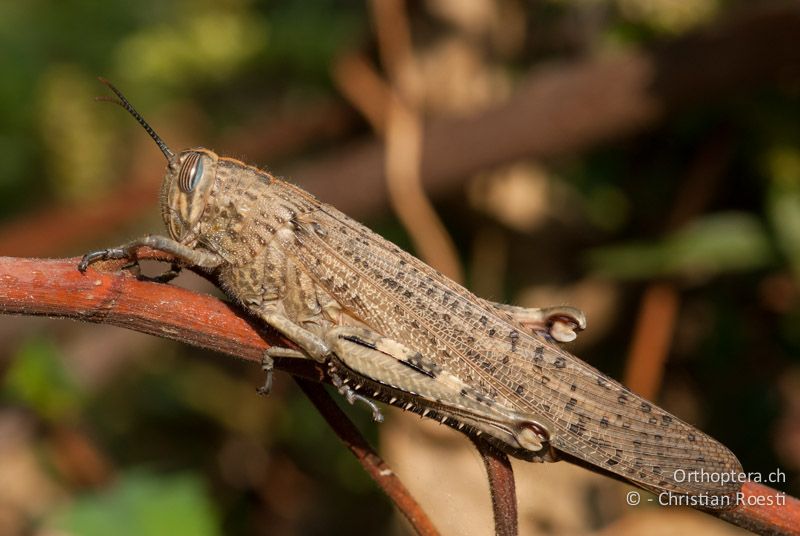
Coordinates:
<point>190,173</point>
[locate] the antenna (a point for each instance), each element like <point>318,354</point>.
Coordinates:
<point>127,105</point>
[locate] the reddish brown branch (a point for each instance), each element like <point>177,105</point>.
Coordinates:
<point>766,517</point>
<point>55,288</point>
<point>375,466</point>
<point>501,484</point>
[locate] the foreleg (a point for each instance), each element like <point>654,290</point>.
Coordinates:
<point>193,257</point>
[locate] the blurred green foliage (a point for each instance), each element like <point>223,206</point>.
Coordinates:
<point>39,380</point>
<point>708,246</point>
<point>143,504</point>
<point>782,165</point>
<point>55,142</point>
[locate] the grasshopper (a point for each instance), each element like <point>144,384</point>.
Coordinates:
<point>389,327</point>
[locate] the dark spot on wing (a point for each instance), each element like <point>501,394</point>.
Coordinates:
<point>514,336</point>
<point>577,429</point>
<point>480,397</point>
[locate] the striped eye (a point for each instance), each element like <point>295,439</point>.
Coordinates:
<point>190,173</point>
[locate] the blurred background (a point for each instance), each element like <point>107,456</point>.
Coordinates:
<point>637,159</point>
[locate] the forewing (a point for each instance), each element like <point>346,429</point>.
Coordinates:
<point>596,419</point>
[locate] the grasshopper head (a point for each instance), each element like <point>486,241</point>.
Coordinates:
<point>185,192</point>
<point>187,182</point>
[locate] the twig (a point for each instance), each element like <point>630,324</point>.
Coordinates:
<point>358,82</point>
<point>564,108</point>
<point>401,129</point>
<point>374,465</point>
<point>393,31</point>
<point>55,288</point>
<point>77,457</point>
<point>658,312</point>
<point>652,339</point>
<point>389,112</point>
<point>501,484</point>
<point>267,137</point>
<point>767,517</point>
<point>408,197</point>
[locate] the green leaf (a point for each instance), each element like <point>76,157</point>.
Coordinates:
<point>716,244</point>
<point>209,45</point>
<point>783,201</point>
<point>143,504</point>
<point>38,378</point>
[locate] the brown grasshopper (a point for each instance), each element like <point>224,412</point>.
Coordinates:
<point>391,328</point>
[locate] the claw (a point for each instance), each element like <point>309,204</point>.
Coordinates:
<point>352,397</point>
<point>267,365</point>
<point>101,255</point>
